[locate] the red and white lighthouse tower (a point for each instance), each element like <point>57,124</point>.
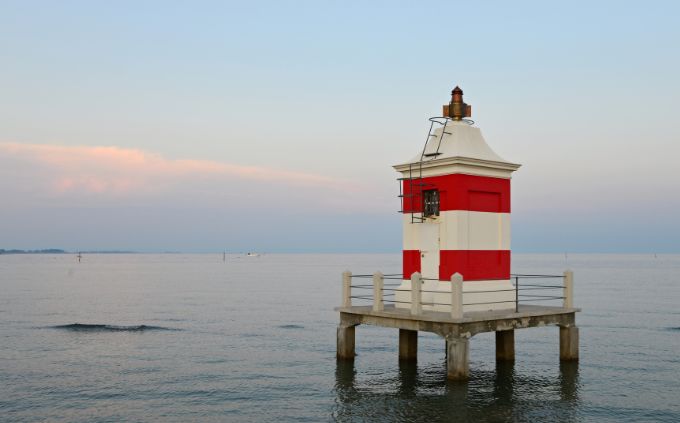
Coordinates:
<point>456,215</point>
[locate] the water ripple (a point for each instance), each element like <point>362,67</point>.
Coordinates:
<point>84,327</point>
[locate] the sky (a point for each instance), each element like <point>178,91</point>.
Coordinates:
<point>273,126</point>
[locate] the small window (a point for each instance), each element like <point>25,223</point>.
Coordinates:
<point>431,202</point>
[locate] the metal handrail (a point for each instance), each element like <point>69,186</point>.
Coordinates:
<point>535,276</point>
<point>391,289</point>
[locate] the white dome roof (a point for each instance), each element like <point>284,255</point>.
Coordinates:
<point>460,140</point>
<point>458,143</point>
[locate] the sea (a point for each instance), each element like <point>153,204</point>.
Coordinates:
<point>213,338</point>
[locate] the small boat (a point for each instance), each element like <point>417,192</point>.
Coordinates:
<point>253,255</point>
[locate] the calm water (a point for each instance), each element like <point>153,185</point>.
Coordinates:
<point>192,338</point>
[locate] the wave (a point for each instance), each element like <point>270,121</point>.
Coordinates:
<point>675,329</point>
<point>84,327</point>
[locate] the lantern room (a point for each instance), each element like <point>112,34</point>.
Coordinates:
<point>455,197</point>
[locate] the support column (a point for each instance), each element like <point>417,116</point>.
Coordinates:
<point>408,344</point>
<point>505,345</point>
<point>346,342</point>
<point>457,364</point>
<point>568,343</point>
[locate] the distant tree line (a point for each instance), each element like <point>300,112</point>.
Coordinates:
<point>60,251</point>
<point>44,251</point>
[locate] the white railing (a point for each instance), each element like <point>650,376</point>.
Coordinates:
<point>380,290</point>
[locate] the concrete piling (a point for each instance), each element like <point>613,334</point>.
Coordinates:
<point>568,343</point>
<point>505,345</point>
<point>408,344</point>
<point>457,358</point>
<point>346,342</point>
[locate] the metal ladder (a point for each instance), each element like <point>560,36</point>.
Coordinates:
<point>419,217</point>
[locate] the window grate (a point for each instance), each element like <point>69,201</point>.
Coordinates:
<point>431,202</point>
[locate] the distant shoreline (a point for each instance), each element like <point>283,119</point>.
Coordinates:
<point>60,251</point>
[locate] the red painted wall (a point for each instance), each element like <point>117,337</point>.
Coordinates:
<point>411,263</point>
<point>474,265</point>
<point>460,192</point>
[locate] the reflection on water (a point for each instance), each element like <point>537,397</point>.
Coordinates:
<point>569,381</point>
<point>419,394</point>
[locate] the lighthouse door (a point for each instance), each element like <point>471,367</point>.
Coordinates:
<point>429,250</point>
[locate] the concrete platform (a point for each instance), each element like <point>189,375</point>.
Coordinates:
<point>473,322</point>
<point>457,332</point>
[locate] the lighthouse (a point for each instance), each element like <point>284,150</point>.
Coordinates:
<point>456,281</point>
<point>455,197</point>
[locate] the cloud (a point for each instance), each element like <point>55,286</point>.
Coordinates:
<point>118,198</point>
<point>115,170</point>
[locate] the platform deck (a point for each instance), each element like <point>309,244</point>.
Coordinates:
<point>472,322</point>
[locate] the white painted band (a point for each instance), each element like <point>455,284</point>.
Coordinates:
<point>459,230</point>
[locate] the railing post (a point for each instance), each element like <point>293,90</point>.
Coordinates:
<point>457,296</point>
<point>568,289</point>
<point>416,294</point>
<point>378,283</point>
<point>516,294</point>
<point>346,288</point>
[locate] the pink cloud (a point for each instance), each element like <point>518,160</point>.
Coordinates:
<point>119,171</point>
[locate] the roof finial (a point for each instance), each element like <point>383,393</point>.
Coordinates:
<point>456,109</point>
